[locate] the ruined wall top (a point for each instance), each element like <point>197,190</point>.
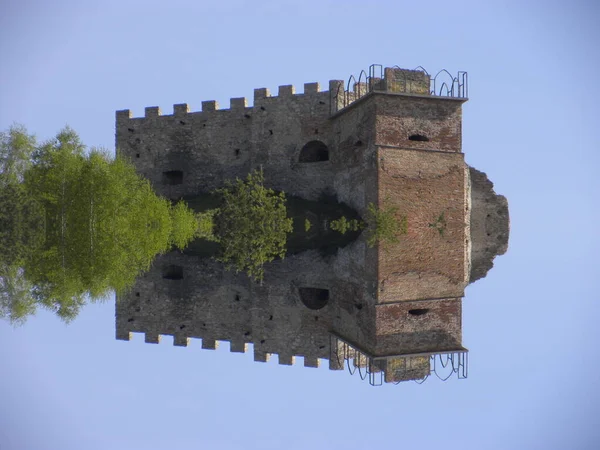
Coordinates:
<point>490,224</point>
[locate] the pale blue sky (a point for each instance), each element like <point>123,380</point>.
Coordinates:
<point>531,124</point>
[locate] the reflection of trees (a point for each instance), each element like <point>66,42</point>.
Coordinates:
<point>252,225</point>
<point>75,225</point>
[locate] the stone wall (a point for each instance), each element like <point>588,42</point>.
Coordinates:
<point>209,303</point>
<point>214,145</point>
<point>215,306</point>
<point>490,224</point>
<point>389,148</point>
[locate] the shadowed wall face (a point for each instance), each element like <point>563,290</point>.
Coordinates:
<point>419,326</point>
<point>489,226</point>
<point>187,153</point>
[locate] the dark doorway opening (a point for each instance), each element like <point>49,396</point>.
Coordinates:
<point>314,298</point>
<point>172,177</point>
<point>418,137</point>
<point>314,151</point>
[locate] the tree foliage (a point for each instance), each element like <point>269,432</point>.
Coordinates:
<point>17,148</point>
<point>206,225</point>
<point>383,225</point>
<point>343,225</point>
<point>185,225</point>
<point>252,225</point>
<point>102,225</point>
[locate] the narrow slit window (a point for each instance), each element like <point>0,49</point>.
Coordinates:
<point>418,312</point>
<point>418,137</point>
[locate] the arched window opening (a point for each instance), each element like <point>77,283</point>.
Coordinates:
<point>172,177</point>
<point>418,312</point>
<point>173,273</point>
<point>314,151</point>
<point>314,298</point>
<point>418,137</point>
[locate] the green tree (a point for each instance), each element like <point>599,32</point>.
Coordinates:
<point>206,225</point>
<point>186,225</point>
<point>103,226</point>
<point>251,225</point>
<point>307,225</point>
<point>343,225</point>
<point>17,148</point>
<point>383,225</point>
<point>17,301</point>
<point>22,234</point>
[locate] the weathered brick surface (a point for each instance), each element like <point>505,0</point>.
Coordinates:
<point>423,185</point>
<point>437,118</point>
<point>406,368</point>
<point>438,329</point>
<point>406,81</point>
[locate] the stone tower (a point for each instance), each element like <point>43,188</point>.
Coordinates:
<point>392,138</point>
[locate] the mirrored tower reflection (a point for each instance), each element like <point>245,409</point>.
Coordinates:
<point>391,137</point>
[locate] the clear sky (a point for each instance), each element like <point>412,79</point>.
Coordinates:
<point>532,124</point>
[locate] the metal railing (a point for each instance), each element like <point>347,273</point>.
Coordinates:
<point>395,79</point>
<point>378,370</point>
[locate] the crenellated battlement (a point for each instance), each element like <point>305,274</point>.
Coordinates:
<point>221,142</point>
<point>235,346</point>
<point>341,93</point>
<point>285,93</point>
<point>207,145</point>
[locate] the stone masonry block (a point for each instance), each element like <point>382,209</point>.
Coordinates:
<point>261,93</point>
<point>286,90</point>
<point>334,85</point>
<point>123,335</point>
<point>311,88</point>
<point>180,340</point>
<point>238,346</point>
<point>210,105</point>
<point>123,114</point>
<point>152,111</point>
<point>286,360</point>
<point>311,361</point>
<point>209,344</point>
<point>152,338</point>
<point>181,109</point>
<point>238,103</point>
<point>261,356</point>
